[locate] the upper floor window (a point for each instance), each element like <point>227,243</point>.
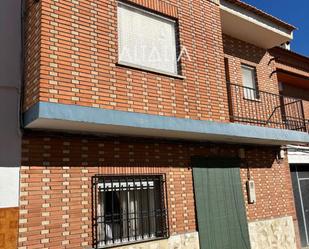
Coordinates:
<point>128,209</point>
<point>146,40</point>
<point>249,82</point>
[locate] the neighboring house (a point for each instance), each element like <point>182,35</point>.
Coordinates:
<point>154,124</point>
<point>293,75</point>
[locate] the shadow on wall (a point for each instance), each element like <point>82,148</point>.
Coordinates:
<point>57,149</point>
<point>242,50</point>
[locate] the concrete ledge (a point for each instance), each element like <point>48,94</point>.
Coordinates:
<point>82,119</point>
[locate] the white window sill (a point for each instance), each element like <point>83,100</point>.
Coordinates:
<point>150,70</point>
<point>130,242</point>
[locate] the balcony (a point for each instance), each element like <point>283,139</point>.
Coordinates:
<point>253,26</point>
<point>261,108</point>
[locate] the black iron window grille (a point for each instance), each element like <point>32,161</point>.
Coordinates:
<point>128,209</point>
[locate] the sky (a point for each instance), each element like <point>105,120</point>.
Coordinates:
<point>295,12</point>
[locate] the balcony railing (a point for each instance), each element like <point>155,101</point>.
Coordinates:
<point>248,105</point>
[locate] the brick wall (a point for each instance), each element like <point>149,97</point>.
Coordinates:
<point>55,207</point>
<point>32,50</point>
<point>291,62</point>
<point>262,110</point>
<point>295,84</point>
<point>300,93</point>
<point>296,71</point>
<point>239,52</point>
<point>273,185</point>
<point>78,56</point>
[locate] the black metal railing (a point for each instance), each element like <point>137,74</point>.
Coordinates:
<point>263,108</point>
<point>307,125</point>
<point>128,209</point>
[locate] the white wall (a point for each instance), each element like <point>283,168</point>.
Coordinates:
<point>298,154</point>
<point>9,187</point>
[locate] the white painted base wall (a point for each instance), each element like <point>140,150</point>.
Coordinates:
<point>9,187</point>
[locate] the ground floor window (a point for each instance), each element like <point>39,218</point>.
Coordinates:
<point>128,209</point>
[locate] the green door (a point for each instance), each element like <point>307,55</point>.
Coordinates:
<point>220,206</point>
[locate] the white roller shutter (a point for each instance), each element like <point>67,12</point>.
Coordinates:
<point>248,74</point>
<point>146,40</point>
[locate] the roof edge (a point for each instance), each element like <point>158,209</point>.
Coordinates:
<point>263,14</point>
<point>290,53</point>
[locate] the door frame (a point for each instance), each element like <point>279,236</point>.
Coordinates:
<point>303,225</point>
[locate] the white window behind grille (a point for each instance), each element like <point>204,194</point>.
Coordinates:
<point>135,198</point>
<point>146,40</point>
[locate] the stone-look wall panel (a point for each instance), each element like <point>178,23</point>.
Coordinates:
<point>276,233</point>
<point>184,241</point>
<point>8,228</point>
<point>180,241</point>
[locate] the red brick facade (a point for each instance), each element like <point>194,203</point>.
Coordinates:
<point>56,182</point>
<point>239,52</point>
<point>32,52</point>
<point>300,93</point>
<point>294,80</point>
<point>71,58</point>
<point>78,62</point>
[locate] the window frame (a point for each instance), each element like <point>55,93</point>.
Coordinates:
<point>246,89</point>
<point>161,191</point>
<point>157,16</point>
